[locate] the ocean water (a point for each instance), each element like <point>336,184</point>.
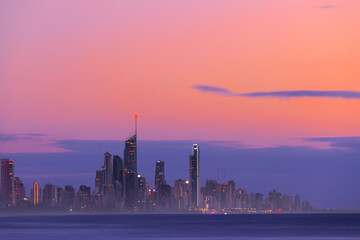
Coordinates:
<point>167,226</point>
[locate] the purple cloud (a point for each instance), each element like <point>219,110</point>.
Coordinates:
<point>18,137</point>
<point>213,89</point>
<point>352,143</point>
<point>282,94</point>
<point>328,6</point>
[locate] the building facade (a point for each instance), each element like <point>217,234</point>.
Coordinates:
<point>194,178</point>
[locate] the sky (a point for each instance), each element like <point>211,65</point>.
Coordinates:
<point>269,89</point>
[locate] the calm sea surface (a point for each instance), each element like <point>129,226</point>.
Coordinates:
<point>306,226</point>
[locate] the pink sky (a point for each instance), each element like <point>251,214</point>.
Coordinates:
<point>82,69</point>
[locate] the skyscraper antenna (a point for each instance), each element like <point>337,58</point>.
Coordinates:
<point>136,116</point>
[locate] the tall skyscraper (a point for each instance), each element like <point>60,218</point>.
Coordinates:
<point>130,152</point>
<point>194,167</point>
<point>118,180</point>
<point>7,181</point>
<point>36,194</point>
<point>108,165</point>
<point>159,180</point>
<point>130,169</point>
<point>118,170</point>
<point>159,174</point>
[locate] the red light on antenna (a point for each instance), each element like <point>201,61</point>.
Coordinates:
<point>136,116</point>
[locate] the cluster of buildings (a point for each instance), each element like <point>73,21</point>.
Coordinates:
<point>119,187</point>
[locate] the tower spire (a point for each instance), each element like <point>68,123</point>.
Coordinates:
<point>136,116</point>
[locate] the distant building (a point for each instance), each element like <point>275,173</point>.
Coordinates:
<point>142,193</point>
<point>100,181</point>
<point>159,179</point>
<point>180,194</point>
<point>108,165</point>
<point>242,200</point>
<point>19,191</point>
<point>118,176</point>
<point>69,197</point>
<point>165,198</point>
<point>232,190</point>
<point>7,182</point>
<point>306,207</point>
<point>36,196</point>
<point>84,197</point>
<point>212,195</point>
<point>297,204</point>
<point>130,152</point>
<point>49,195</point>
<point>130,169</point>
<point>159,174</point>
<point>259,202</point>
<point>286,203</point>
<point>194,167</point>
<point>59,196</point>
<point>225,196</point>
<point>274,201</point>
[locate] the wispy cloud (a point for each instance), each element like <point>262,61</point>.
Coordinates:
<point>327,6</point>
<point>281,94</point>
<point>18,137</point>
<point>339,142</point>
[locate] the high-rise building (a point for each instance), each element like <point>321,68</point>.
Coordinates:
<point>212,195</point>
<point>194,167</point>
<point>36,194</point>
<point>225,199</point>
<point>84,197</point>
<point>286,203</point>
<point>159,179</point>
<point>59,196</point>
<point>108,166</point>
<point>297,204</point>
<point>259,202</point>
<point>306,207</point>
<point>242,200</point>
<point>142,192</point>
<point>130,169</point>
<point>159,174</point>
<point>131,191</point>
<point>232,189</point>
<point>130,158</point>
<point>180,194</point>
<point>19,191</point>
<point>274,200</point>
<point>118,177</point>
<point>165,197</point>
<point>7,181</point>
<point>69,197</point>
<point>49,196</point>
<point>118,171</point>
<point>100,181</point>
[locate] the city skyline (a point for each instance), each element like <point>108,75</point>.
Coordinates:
<point>120,188</point>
